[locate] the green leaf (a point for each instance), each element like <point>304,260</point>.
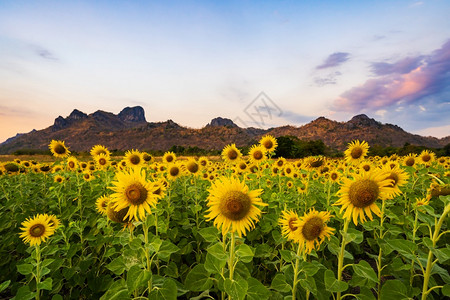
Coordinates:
<point>24,293</point>
<point>213,264</point>
<point>4,285</point>
<point>446,290</point>
<point>135,244</point>
<point>46,284</point>
<point>354,235</point>
<point>256,290</point>
<point>117,291</point>
<point>57,297</point>
<point>402,246</point>
<point>309,284</point>
<point>217,251</point>
<point>287,255</point>
<point>332,284</point>
<point>25,269</point>
<point>364,270</point>
<point>279,283</point>
<point>46,262</point>
<point>166,249</point>
<point>393,290</point>
<point>117,266</point>
<point>167,291</point>
<point>310,268</point>
<point>244,253</point>
<point>154,245</point>
<point>442,254</point>
<point>137,278</point>
<point>236,289</point>
<point>198,280</point>
<point>210,234</point>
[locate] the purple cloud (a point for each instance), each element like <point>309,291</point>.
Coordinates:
<point>334,60</point>
<point>405,81</point>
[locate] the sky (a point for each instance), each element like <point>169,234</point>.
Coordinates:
<point>258,63</point>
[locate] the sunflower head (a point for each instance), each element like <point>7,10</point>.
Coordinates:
<point>192,166</point>
<point>288,225</point>
<point>99,149</point>
<point>37,229</point>
<point>233,206</point>
<point>147,157</point>
<point>101,161</point>
<point>356,151</point>
<point>116,216</point>
<point>58,149</point>
<point>269,143</point>
<point>257,154</point>
<point>169,157</point>
<point>312,229</point>
<point>11,167</point>
<point>59,179</point>
<point>427,157</point>
<point>174,171</point>
<point>134,158</point>
<point>102,204</point>
<point>231,154</point>
<point>203,161</point>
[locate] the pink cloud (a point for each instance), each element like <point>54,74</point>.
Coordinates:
<point>430,76</point>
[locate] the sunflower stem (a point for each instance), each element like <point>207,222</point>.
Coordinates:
<point>380,253</point>
<point>147,256</point>
<point>341,254</point>
<point>231,261</point>
<point>38,271</point>
<point>413,240</point>
<point>297,261</point>
<point>434,238</point>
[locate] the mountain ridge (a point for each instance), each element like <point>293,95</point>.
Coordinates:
<point>130,130</point>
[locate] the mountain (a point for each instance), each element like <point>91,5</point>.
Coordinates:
<point>130,130</point>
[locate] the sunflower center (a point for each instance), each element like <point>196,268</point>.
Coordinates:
<point>257,155</point>
<point>334,176</point>
<point>59,149</point>
<point>71,164</point>
<point>356,152</point>
<point>37,230</point>
<point>394,178</point>
<point>242,166</point>
<point>268,144</point>
<point>169,158</point>
<point>235,205</point>
<point>363,193</point>
<point>280,163</point>
<point>59,179</point>
<point>102,161</point>
<point>410,162</point>
<point>192,167</point>
<point>135,159</point>
<point>147,157</point>
<point>232,154</point>
<point>174,171</point>
<point>312,228</point>
<point>317,163</point>
<point>291,225</point>
<point>366,168</point>
<point>426,158</point>
<point>136,193</point>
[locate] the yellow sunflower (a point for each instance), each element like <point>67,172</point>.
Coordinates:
<point>53,221</point>
<point>269,143</point>
<point>59,179</point>
<point>312,229</point>
<point>116,216</point>
<point>231,154</point>
<point>99,149</point>
<point>410,160</point>
<point>280,162</point>
<point>335,176</point>
<point>174,171</point>
<point>358,195</point>
<point>399,178</point>
<point>192,166</point>
<point>58,149</point>
<point>257,153</point>
<point>356,151</point>
<point>102,204</point>
<point>169,157</point>
<point>233,206</point>
<point>427,157</point>
<point>134,158</point>
<point>101,161</point>
<point>203,161</point>
<point>287,223</point>
<point>132,190</point>
<point>147,157</point>
<point>87,176</point>
<point>36,230</point>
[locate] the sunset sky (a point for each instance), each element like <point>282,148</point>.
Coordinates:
<point>192,61</point>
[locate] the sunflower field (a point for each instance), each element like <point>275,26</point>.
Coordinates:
<point>234,227</point>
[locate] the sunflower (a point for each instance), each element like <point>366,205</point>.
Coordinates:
<point>174,171</point>
<point>161,186</point>
<point>132,190</point>
<point>399,178</point>
<point>169,157</point>
<point>356,151</point>
<point>421,202</point>
<point>233,206</point>
<point>366,166</point>
<point>231,154</point>
<point>314,163</point>
<point>101,161</point>
<point>134,158</point>
<point>335,176</point>
<point>269,143</point>
<point>87,176</point>
<point>358,195</point>
<point>53,221</point>
<point>72,163</point>
<point>289,184</point>
<point>436,190</point>
<point>257,154</point>
<point>99,149</point>
<point>59,179</point>
<point>287,223</point>
<point>312,229</point>
<point>280,162</point>
<point>203,161</point>
<point>116,216</point>
<point>192,166</point>
<point>58,149</point>
<point>102,204</point>
<point>36,230</point>
<point>427,157</point>
<point>147,157</point>
<point>11,167</point>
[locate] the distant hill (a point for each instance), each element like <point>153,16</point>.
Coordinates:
<point>130,130</point>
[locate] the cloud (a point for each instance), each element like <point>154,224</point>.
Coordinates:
<point>45,53</point>
<point>405,82</point>
<point>334,60</point>
<point>329,79</point>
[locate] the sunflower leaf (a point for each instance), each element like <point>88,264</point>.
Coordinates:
<point>256,290</point>
<point>364,270</point>
<point>236,289</point>
<point>244,253</point>
<point>25,269</point>
<point>279,283</point>
<point>332,284</point>
<point>198,280</point>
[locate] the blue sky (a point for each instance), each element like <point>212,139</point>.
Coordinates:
<point>191,61</point>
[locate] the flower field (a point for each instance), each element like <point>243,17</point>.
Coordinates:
<point>235,227</point>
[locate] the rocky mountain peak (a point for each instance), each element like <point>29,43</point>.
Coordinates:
<point>362,120</point>
<point>77,115</point>
<point>132,114</point>
<point>221,122</point>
